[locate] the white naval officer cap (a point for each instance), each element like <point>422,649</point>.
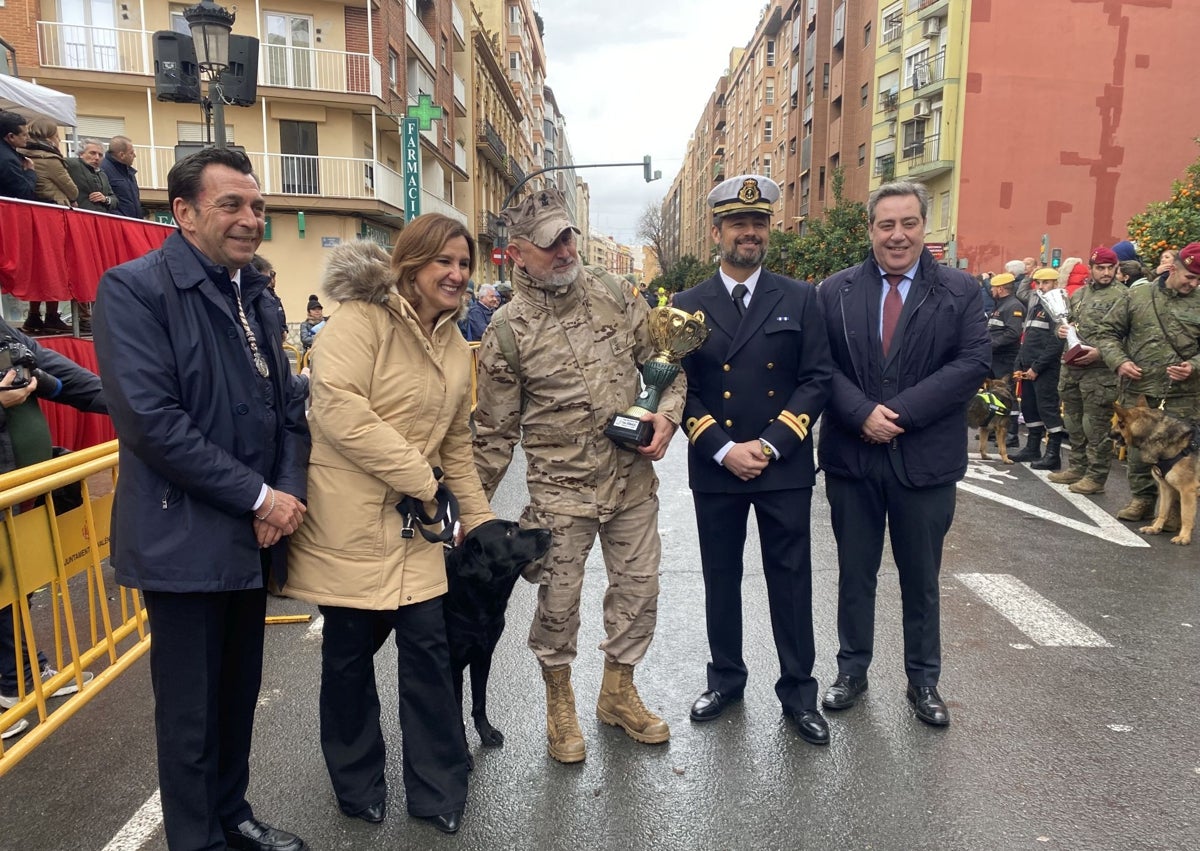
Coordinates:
<point>746,193</point>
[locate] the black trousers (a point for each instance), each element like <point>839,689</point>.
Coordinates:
<point>433,748</point>
<point>1039,400</point>
<point>206,668</point>
<point>917,520</point>
<point>783,529</point>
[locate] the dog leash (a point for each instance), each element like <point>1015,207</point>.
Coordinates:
<point>413,512</point>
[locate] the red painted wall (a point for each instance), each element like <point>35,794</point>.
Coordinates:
<point>1078,113</point>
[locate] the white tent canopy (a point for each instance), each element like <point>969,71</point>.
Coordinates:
<point>33,101</point>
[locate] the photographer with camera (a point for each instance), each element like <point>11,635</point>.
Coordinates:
<point>29,372</point>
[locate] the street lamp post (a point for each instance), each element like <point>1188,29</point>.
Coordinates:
<point>210,25</point>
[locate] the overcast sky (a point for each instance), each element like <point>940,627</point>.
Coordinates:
<point>632,78</point>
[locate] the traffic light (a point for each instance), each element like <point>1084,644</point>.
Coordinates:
<point>1056,258</point>
<point>647,172</point>
<point>1045,247</point>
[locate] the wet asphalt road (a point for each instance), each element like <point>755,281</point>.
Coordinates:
<point>1052,746</point>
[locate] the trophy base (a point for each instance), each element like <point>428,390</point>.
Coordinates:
<point>629,432</point>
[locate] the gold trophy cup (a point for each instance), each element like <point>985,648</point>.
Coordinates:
<point>675,334</point>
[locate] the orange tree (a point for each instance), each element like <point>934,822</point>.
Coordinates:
<point>1172,223</point>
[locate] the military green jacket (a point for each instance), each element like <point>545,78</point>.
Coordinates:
<point>1154,327</point>
<point>578,354</point>
<point>1089,305</point>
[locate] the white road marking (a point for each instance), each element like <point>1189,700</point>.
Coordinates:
<point>314,628</point>
<point>1045,623</point>
<point>1103,525</point>
<point>138,830</point>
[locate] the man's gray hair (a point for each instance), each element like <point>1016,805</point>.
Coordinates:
<point>488,289</point>
<point>82,145</point>
<point>899,189</point>
<point>1015,267</point>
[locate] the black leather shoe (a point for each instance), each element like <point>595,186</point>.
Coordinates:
<point>373,813</point>
<point>254,835</point>
<point>810,725</point>
<point>844,692</point>
<point>928,705</point>
<point>445,822</point>
<point>710,705</point>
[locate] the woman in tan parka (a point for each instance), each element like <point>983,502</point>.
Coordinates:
<point>54,186</point>
<point>391,400</point>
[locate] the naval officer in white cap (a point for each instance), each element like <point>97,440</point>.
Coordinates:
<point>755,390</point>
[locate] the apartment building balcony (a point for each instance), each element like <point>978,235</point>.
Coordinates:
<point>927,9</point>
<point>431,203</point>
<point>489,143</point>
<point>456,24</point>
<point>460,97</point>
<point>120,51</point>
<point>885,167</point>
<point>343,182</point>
<point>488,224</point>
<point>420,37</point>
<point>718,171</point>
<point>889,100</point>
<point>923,158</point>
<point>929,76</point>
<point>515,170</point>
<point>893,32</point>
<point>460,156</point>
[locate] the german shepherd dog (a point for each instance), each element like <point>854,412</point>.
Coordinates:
<point>481,573</point>
<point>1172,448</point>
<point>989,411</point>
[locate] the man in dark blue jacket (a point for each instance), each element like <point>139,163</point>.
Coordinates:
<point>17,177</point>
<point>213,454</point>
<point>122,176</point>
<point>755,389</point>
<point>910,348</point>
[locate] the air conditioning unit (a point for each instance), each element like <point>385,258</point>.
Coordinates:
<point>921,109</point>
<point>933,26</point>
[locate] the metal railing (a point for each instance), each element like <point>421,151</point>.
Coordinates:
<point>126,51</point>
<point>430,203</point>
<point>96,625</point>
<point>421,38</point>
<point>932,70</point>
<point>923,151</point>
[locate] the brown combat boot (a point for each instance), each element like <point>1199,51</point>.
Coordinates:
<point>621,706</point>
<point>562,727</point>
<point>1139,508</point>
<point>1065,477</point>
<point>1088,486</point>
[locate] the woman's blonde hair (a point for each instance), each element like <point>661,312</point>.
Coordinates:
<point>421,241</point>
<point>43,128</point>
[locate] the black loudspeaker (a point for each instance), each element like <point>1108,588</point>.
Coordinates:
<point>176,77</point>
<point>239,81</point>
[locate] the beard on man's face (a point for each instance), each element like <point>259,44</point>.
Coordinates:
<point>746,254</point>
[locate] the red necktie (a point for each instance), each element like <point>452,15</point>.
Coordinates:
<point>892,305</point>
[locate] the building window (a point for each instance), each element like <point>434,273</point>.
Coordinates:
<point>766,167</point>
<point>768,129</point>
<point>770,92</point>
<point>914,139</point>
<point>393,70</point>
<point>514,61</point>
<point>299,157</point>
<point>771,53</point>
<point>916,65</point>
<point>825,81</point>
<point>945,210</point>
<point>864,94</point>
<point>867,35</point>
<point>862,154</point>
<point>445,52</point>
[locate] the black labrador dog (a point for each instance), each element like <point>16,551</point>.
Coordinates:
<point>482,572</point>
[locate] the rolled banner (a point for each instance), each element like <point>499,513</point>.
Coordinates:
<point>675,334</point>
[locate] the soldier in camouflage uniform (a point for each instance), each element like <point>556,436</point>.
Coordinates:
<point>1087,389</point>
<point>1152,341</point>
<point>554,365</point>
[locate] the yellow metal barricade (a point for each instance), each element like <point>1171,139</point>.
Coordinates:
<point>41,549</point>
<point>294,357</point>
<point>474,346</point>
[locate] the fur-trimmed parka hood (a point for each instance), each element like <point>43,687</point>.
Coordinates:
<point>359,271</point>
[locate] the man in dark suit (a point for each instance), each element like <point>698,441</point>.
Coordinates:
<point>755,389</point>
<point>910,347</point>
<point>214,453</point>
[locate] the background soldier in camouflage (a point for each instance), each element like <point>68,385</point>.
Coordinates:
<point>1152,340</point>
<point>1086,387</point>
<point>574,345</point>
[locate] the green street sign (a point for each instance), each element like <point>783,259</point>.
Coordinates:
<point>425,112</point>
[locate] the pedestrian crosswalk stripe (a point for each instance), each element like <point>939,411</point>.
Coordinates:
<point>1044,622</point>
<point>138,830</point>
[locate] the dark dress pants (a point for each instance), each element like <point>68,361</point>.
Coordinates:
<point>206,668</point>
<point>917,520</point>
<point>433,748</point>
<point>783,530</point>
<point>1039,399</point>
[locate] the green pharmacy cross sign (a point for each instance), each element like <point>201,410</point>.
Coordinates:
<point>419,117</point>
<point>425,111</point>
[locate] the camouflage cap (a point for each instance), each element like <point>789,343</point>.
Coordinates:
<point>540,218</point>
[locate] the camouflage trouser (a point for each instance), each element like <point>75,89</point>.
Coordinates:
<point>1141,480</point>
<point>1087,399</point>
<point>632,551</point>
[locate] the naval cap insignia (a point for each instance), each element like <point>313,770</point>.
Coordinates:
<point>749,193</point>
